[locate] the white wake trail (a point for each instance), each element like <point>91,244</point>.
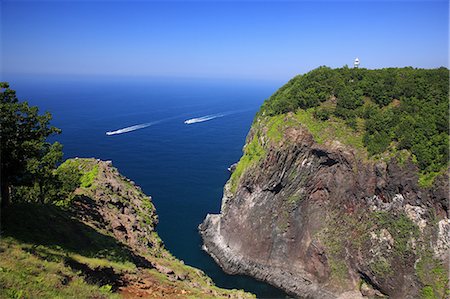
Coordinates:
<point>131,129</point>
<point>202,118</point>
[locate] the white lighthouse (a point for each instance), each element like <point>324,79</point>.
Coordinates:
<point>356,63</point>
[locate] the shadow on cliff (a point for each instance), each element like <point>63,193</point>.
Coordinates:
<point>55,234</point>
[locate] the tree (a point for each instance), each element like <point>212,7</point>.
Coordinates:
<point>42,169</point>
<point>23,140</point>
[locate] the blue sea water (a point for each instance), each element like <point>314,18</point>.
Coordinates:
<point>183,167</point>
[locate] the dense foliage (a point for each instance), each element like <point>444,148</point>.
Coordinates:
<point>28,160</point>
<point>405,108</point>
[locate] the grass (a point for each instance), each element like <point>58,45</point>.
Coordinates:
<point>433,275</point>
<point>26,275</point>
<point>329,130</point>
<point>427,293</point>
<point>401,228</point>
<point>334,241</point>
<point>426,179</point>
<point>381,267</point>
<point>339,270</point>
<point>344,231</point>
<point>335,256</point>
<point>253,153</point>
<point>53,255</point>
<point>336,129</point>
<point>322,131</point>
<point>294,199</point>
<point>276,126</point>
<point>46,253</point>
<point>87,179</point>
<point>87,167</point>
<point>403,156</point>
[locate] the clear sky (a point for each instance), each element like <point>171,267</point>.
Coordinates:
<point>260,40</point>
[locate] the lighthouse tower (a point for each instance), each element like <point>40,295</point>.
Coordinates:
<point>356,63</point>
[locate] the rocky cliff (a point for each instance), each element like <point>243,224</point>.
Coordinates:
<point>309,212</point>
<point>117,206</point>
<point>101,242</point>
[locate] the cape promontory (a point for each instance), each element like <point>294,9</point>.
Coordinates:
<point>342,190</point>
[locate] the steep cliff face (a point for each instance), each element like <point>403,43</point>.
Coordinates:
<point>319,219</point>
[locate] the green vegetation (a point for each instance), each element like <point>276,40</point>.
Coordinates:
<point>352,231</point>
<point>294,199</point>
<point>344,231</point>
<point>53,255</point>
<point>275,125</point>
<point>88,177</point>
<point>26,275</point>
<point>427,293</point>
<point>426,179</point>
<point>401,228</point>
<point>381,267</point>
<point>433,275</point>
<point>332,129</point>
<point>339,270</point>
<point>336,255</point>
<point>334,237</point>
<point>402,109</point>
<point>87,171</point>
<point>27,159</point>
<point>253,152</point>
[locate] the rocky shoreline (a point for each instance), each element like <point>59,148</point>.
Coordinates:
<point>234,263</point>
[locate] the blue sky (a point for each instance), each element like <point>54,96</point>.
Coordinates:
<point>227,39</point>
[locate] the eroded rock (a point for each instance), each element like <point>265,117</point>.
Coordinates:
<point>317,219</point>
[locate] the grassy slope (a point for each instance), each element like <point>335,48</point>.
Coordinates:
<point>47,252</point>
<point>40,242</point>
<point>274,128</point>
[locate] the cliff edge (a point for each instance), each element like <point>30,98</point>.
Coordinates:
<point>308,210</point>
<point>100,242</point>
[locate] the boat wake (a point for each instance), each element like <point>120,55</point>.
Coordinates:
<point>131,128</point>
<point>203,118</point>
<point>188,122</point>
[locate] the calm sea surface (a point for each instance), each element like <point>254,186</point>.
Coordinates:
<point>183,167</point>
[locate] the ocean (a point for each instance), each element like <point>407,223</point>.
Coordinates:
<point>183,166</point>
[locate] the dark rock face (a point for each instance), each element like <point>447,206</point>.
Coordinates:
<point>320,222</point>
<point>119,207</point>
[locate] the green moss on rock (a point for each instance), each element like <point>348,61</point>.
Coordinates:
<point>253,153</point>
<point>433,275</point>
<point>401,228</point>
<point>381,267</point>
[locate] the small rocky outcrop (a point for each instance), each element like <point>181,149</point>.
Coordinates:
<point>324,221</point>
<point>114,203</point>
